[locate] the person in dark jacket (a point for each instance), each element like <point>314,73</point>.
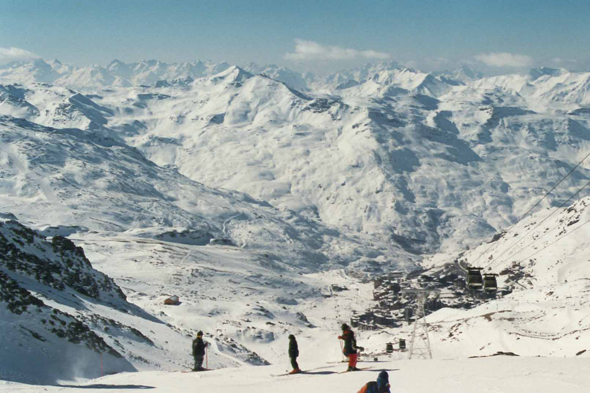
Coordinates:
<point>379,386</point>
<point>293,354</point>
<point>199,347</point>
<point>349,349</point>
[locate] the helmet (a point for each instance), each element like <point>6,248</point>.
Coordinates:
<point>199,333</point>
<point>344,326</point>
<point>291,337</point>
<point>383,380</point>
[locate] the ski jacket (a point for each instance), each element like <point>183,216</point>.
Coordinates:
<point>349,342</point>
<point>293,349</point>
<point>372,387</point>
<point>199,347</point>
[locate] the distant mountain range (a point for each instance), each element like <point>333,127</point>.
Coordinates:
<point>149,72</point>
<point>382,151</point>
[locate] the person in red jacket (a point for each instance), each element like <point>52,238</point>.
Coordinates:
<point>349,349</point>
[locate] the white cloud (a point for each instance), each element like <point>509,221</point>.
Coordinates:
<point>311,50</point>
<point>8,55</point>
<point>505,60</point>
<point>560,61</point>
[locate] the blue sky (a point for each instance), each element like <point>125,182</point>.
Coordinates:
<point>306,35</point>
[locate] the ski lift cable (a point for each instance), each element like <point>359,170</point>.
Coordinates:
<point>497,259</point>
<point>535,205</point>
<point>528,245</point>
<point>553,242</point>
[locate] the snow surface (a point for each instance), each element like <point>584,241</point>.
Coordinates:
<point>501,374</point>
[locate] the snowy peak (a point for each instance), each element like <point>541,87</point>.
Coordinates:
<point>119,69</point>
<point>409,79</point>
<point>545,87</point>
<point>29,72</point>
<point>283,74</point>
<point>233,74</point>
<point>115,74</point>
<point>461,75</point>
<point>384,78</point>
<point>92,78</point>
<point>536,73</point>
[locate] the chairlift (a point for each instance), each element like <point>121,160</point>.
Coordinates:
<point>389,347</point>
<point>474,278</point>
<point>402,344</point>
<point>490,284</point>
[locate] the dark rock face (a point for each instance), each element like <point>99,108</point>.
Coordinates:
<point>59,264</point>
<point>44,321</point>
<point>16,298</point>
<point>31,269</point>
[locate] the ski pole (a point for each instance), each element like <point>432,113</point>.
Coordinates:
<point>342,350</point>
<point>206,358</point>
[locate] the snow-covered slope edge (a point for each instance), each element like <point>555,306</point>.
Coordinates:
<point>40,343</point>
<point>544,259</point>
<point>62,319</point>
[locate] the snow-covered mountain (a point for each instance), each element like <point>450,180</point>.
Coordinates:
<point>244,190</point>
<point>366,158</point>
<point>115,74</point>
<point>461,75</point>
<point>88,180</point>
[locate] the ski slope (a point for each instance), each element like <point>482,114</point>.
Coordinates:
<point>491,375</point>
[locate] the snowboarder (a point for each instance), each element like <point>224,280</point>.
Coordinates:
<point>293,354</point>
<point>199,347</point>
<point>379,386</point>
<point>349,349</point>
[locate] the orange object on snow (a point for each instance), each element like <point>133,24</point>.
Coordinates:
<point>172,301</point>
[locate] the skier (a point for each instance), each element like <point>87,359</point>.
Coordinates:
<point>379,386</point>
<point>349,347</point>
<point>199,351</point>
<point>293,354</point>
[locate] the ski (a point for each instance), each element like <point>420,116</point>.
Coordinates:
<point>358,369</point>
<point>286,374</point>
<point>193,371</point>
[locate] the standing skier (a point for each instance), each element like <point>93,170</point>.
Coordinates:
<point>199,351</point>
<point>379,386</point>
<point>293,354</point>
<point>349,347</point>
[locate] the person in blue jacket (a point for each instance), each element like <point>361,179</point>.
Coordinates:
<point>379,386</point>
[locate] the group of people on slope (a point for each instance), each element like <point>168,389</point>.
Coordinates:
<point>381,385</point>
<point>350,350</point>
